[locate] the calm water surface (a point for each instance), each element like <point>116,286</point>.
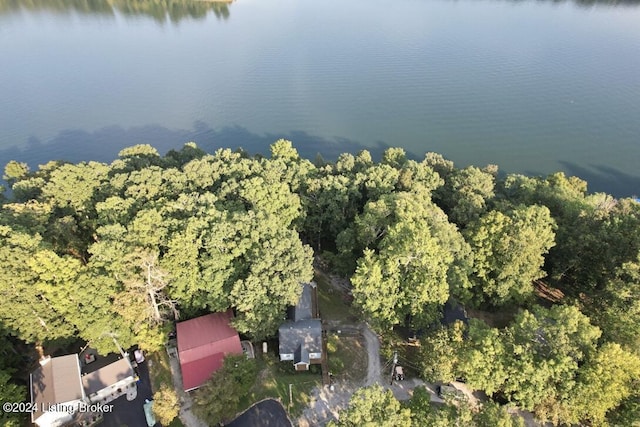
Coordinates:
<point>531,86</point>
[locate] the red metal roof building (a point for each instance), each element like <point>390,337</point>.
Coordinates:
<point>203,343</point>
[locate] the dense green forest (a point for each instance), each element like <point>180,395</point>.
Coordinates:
<point>96,251</point>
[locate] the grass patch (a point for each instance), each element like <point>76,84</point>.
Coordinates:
<point>273,381</point>
<point>331,301</point>
<point>347,357</point>
<point>176,423</point>
<point>498,319</point>
<point>160,373</point>
<point>159,370</point>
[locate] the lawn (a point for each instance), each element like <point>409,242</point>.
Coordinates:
<point>347,357</point>
<point>274,378</point>
<point>159,370</point>
<point>176,423</point>
<point>332,302</point>
<point>496,320</point>
<point>160,373</point>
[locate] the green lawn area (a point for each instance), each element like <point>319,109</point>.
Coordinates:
<point>160,373</point>
<point>176,423</point>
<point>332,302</point>
<point>347,357</point>
<point>159,369</point>
<point>273,381</point>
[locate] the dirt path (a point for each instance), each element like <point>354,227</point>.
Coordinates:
<point>325,402</point>
<point>186,415</point>
<point>374,374</point>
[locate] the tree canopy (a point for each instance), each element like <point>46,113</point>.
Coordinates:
<point>122,250</point>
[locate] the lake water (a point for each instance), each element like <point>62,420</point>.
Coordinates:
<point>533,86</point>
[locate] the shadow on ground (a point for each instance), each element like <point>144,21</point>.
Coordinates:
<point>605,179</point>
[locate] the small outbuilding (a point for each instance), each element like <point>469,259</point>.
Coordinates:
<point>203,343</point>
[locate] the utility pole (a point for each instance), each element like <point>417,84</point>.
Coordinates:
<point>290,397</point>
<point>393,365</point>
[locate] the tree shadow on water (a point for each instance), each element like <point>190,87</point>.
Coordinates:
<point>103,145</point>
<point>605,179</point>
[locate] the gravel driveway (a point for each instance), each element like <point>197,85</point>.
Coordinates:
<point>326,403</point>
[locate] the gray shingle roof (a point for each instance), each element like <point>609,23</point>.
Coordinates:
<point>303,310</point>
<point>107,376</point>
<point>304,333</point>
<point>301,355</point>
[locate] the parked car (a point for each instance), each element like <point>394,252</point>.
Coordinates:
<point>399,373</point>
<point>139,356</point>
<point>148,412</point>
<point>448,391</point>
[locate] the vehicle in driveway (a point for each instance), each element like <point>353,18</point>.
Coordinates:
<point>148,413</point>
<point>448,391</point>
<point>138,355</point>
<point>399,373</point>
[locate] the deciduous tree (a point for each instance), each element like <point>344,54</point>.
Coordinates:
<point>217,400</point>
<point>166,405</point>
<point>508,252</point>
<point>373,407</point>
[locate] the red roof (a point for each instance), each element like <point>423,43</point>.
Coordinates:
<point>202,344</point>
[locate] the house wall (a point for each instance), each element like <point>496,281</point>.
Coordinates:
<point>315,355</point>
<point>286,356</point>
<point>58,419</point>
<point>114,391</point>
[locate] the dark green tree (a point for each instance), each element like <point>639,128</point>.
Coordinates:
<point>218,399</point>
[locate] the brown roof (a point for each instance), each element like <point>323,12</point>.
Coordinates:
<point>107,376</point>
<point>202,344</point>
<point>56,381</point>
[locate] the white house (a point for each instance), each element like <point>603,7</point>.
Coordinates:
<point>301,337</point>
<point>61,385</point>
<point>110,382</point>
<point>56,391</point>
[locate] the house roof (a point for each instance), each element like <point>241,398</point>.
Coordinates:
<point>196,373</point>
<point>305,333</point>
<point>301,355</point>
<point>57,380</point>
<point>453,312</point>
<point>304,309</point>
<point>104,377</point>
<point>202,344</point>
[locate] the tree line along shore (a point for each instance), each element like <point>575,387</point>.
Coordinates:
<point>92,250</point>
